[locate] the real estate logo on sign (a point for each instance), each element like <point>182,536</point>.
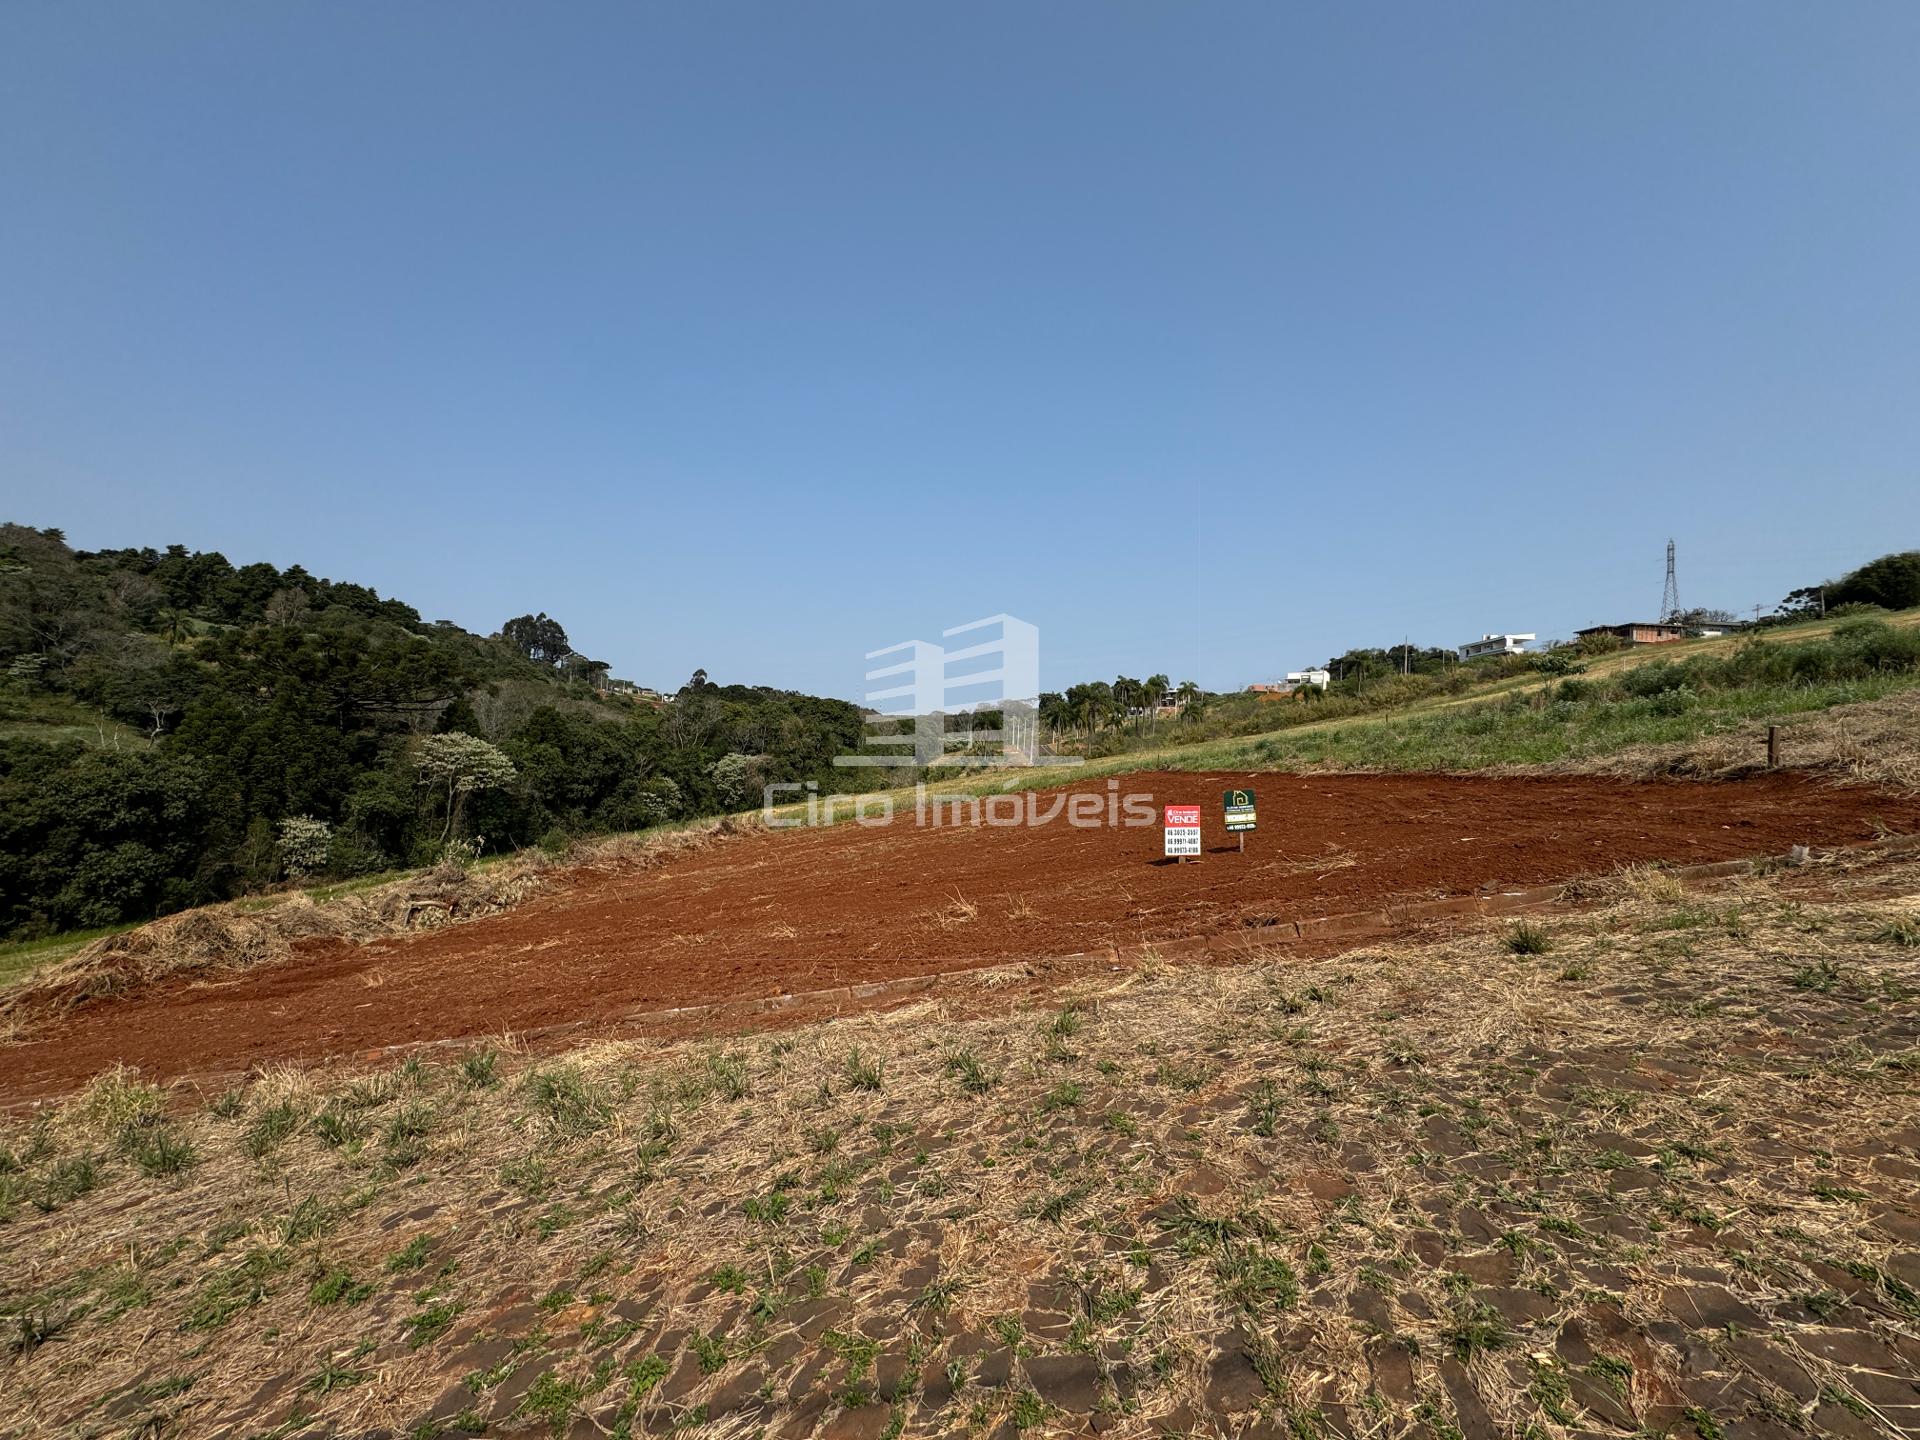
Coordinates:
<point>1183,830</point>
<point>1239,810</point>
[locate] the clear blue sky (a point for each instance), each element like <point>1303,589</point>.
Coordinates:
<point>1211,338</point>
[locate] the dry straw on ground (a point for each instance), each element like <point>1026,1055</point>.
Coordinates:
<point>1656,1174</point>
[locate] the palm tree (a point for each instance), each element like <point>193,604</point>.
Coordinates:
<point>1056,712</point>
<point>1094,701</point>
<point>1189,697</point>
<point>1156,693</point>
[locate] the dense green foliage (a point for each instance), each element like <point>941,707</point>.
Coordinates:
<point>1890,583</point>
<point>220,701</point>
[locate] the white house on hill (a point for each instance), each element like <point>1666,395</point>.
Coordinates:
<point>1495,645</point>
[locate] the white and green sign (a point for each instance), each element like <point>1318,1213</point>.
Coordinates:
<point>1239,808</point>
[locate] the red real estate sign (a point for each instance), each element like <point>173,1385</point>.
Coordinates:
<point>1183,830</point>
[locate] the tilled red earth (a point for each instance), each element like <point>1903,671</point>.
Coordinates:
<point>770,914</point>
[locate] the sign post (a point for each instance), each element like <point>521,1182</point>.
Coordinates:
<point>1239,812</point>
<point>1183,832</point>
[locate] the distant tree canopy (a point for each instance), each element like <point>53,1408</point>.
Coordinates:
<point>166,714</point>
<point>1892,582</point>
<point>1694,619</point>
<point>1372,663</point>
<point>538,638</point>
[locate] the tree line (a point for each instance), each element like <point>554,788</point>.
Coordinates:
<point>176,729</point>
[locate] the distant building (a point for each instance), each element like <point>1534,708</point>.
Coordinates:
<point>1495,645</point>
<point>1296,680</point>
<point>1638,632</point>
<point>627,689</point>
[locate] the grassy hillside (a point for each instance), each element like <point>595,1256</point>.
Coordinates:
<point>1692,691</point>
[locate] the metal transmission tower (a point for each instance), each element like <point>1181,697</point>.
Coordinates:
<point>1670,602</point>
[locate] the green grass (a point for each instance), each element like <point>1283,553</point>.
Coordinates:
<point>1904,931</point>
<point>52,719</point>
<point>1501,734</point>
<point>1528,939</point>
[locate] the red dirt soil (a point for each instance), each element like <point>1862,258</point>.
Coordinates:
<point>770,914</point>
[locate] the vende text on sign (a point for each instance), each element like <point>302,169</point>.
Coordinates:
<point>1182,830</point>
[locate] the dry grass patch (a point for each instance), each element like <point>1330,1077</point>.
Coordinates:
<point>1440,1183</point>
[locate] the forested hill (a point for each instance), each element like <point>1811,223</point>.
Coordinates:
<point>175,729</point>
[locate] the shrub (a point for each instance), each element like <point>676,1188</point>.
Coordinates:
<point>658,801</point>
<point>1904,931</point>
<point>456,859</point>
<point>160,1152</point>
<point>737,779</point>
<point>303,846</point>
<point>1655,678</point>
<point>349,855</point>
<point>1555,662</point>
<point>572,1106</point>
<point>1528,939</point>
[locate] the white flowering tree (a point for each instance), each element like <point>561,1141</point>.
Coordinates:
<point>736,779</point>
<point>455,765</point>
<point>303,845</point>
<point>659,800</point>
